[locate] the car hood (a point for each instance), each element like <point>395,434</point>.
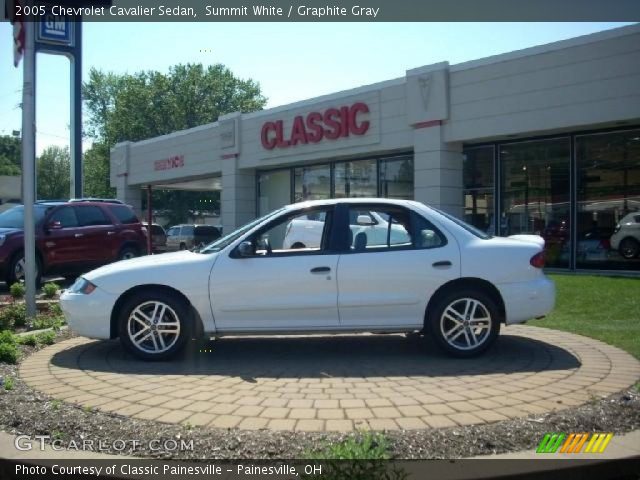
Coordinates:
<point>150,265</point>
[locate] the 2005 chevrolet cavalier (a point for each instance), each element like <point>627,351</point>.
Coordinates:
<point>430,272</point>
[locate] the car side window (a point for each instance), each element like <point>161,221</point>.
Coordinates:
<point>380,228</point>
<point>187,230</point>
<point>91,216</point>
<point>426,235</point>
<point>172,231</point>
<point>66,216</point>
<point>301,233</point>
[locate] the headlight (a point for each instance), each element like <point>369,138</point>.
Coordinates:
<point>82,285</point>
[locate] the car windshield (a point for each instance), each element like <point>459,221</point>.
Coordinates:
<point>223,242</point>
<point>469,228</point>
<point>14,218</point>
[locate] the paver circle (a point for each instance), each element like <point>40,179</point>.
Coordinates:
<point>337,382</point>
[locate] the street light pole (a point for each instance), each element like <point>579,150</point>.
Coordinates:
<point>29,164</point>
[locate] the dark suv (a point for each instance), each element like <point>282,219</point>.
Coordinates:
<point>71,237</point>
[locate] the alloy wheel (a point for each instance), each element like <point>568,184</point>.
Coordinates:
<point>465,324</point>
<point>153,327</point>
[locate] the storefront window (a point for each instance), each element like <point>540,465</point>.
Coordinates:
<point>608,209</point>
<point>312,183</point>
<point>396,178</point>
<point>479,187</point>
<point>535,194</point>
<point>274,190</point>
<point>356,179</point>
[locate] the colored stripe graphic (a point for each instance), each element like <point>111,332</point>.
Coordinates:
<point>574,443</point>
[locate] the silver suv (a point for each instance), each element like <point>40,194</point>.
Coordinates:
<point>186,237</point>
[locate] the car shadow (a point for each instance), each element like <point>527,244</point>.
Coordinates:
<point>327,356</point>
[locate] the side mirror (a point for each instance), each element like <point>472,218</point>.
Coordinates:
<point>245,249</point>
<point>54,225</point>
<point>364,220</point>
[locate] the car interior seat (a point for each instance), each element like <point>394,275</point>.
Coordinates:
<point>360,243</point>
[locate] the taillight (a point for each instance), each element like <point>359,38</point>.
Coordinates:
<point>537,260</point>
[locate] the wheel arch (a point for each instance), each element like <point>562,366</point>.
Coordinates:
<point>468,282</point>
<point>197,321</point>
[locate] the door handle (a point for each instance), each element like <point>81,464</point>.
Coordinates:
<point>78,235</point>
<point>320,270</point>
<point>442,263</point>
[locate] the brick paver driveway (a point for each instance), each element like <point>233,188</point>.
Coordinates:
<point>338,383</point>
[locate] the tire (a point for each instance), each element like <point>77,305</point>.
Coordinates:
<point>16,270</point>
<point>127,252</point>
<point>629,248</point>
<point>183,246</point>
<point>453,331</point>
<point>145,312</point>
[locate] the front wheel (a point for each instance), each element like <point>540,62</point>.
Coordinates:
<point>629,248</point>
<point>16,272</point>
<point>154,325</point>
<point>464,323</point>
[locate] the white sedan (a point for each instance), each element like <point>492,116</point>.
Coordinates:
<point>441,277</point>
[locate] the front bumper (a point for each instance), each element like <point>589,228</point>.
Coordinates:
<point>526,300</point>
<point>89,315</point>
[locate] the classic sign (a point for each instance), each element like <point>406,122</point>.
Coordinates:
<point>331,124</point>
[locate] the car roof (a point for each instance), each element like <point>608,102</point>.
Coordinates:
<point>370,200</point>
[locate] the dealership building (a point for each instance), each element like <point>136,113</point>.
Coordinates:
<point>544,140</point>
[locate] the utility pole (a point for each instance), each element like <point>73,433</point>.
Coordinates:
<point>29,163</point>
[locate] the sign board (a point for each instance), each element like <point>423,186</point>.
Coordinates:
<point>55,30</point>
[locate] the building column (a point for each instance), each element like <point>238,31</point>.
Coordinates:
<point>438,170</point>
<point>119,174</point>
<point>238,196</point>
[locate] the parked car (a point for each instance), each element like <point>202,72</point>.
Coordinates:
<point>445,278</point>
<point>158,237</point>
<point>186,237</point>
<point>593,246</point>
<point>71,237</point>
<point>626,236</point>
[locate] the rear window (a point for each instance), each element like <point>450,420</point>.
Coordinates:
<point>124,214</point>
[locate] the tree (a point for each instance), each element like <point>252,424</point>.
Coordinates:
<point>147,104</point>
<point>10,155</point>
<point>53,173</point>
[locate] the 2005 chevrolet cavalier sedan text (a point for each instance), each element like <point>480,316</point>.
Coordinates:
<point>430,272</point>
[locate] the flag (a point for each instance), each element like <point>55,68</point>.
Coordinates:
<point>18,32</point>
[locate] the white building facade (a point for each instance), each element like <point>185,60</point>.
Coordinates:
<point>544,140</point>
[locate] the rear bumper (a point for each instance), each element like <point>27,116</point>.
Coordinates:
<point>526,300</point>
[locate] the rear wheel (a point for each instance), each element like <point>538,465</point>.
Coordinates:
<point>464,323</point>
<point>128,252</point>
<point>154,325</point>
<point>629,248</point>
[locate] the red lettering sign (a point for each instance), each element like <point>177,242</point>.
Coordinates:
<point>176,161</point>
<point>331,124</point>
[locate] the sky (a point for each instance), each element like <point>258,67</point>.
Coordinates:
<point>291,61</point>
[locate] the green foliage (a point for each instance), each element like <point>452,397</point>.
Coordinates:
<point>55,310</point>
<point>17,290</point>
<point>8,383</point>
<point>55,404</point>
<point>8,353</point>
<point>46,338</point>
<point>360,446</point>
<point>12,316</point>
<point>96,172</point>
<point>53,173</point>
<point>10,155</point>
<point>30,340</point>
<point>50,289</point>
<point>8,338</point>
<point>46,321</point>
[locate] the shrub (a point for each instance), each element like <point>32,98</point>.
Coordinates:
<point>8,383</point>
<point>8,353</point>
<point>46,321</point>
<point>6,337</point>
<point>14,315</point>
<point>17,290</point>
<point>360,446</point>
<point>55,310</point>
<point>50,289</point>
<point>46,338</point>
<point>30,340</point>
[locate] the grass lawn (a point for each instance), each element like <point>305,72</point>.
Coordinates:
<point>604,308</point>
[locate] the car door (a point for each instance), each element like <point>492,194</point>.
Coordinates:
<point>62,244</point>
<point>277,287</point>
<point>386,280</point>
<point>97,233</point>
<point>172,238</point>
